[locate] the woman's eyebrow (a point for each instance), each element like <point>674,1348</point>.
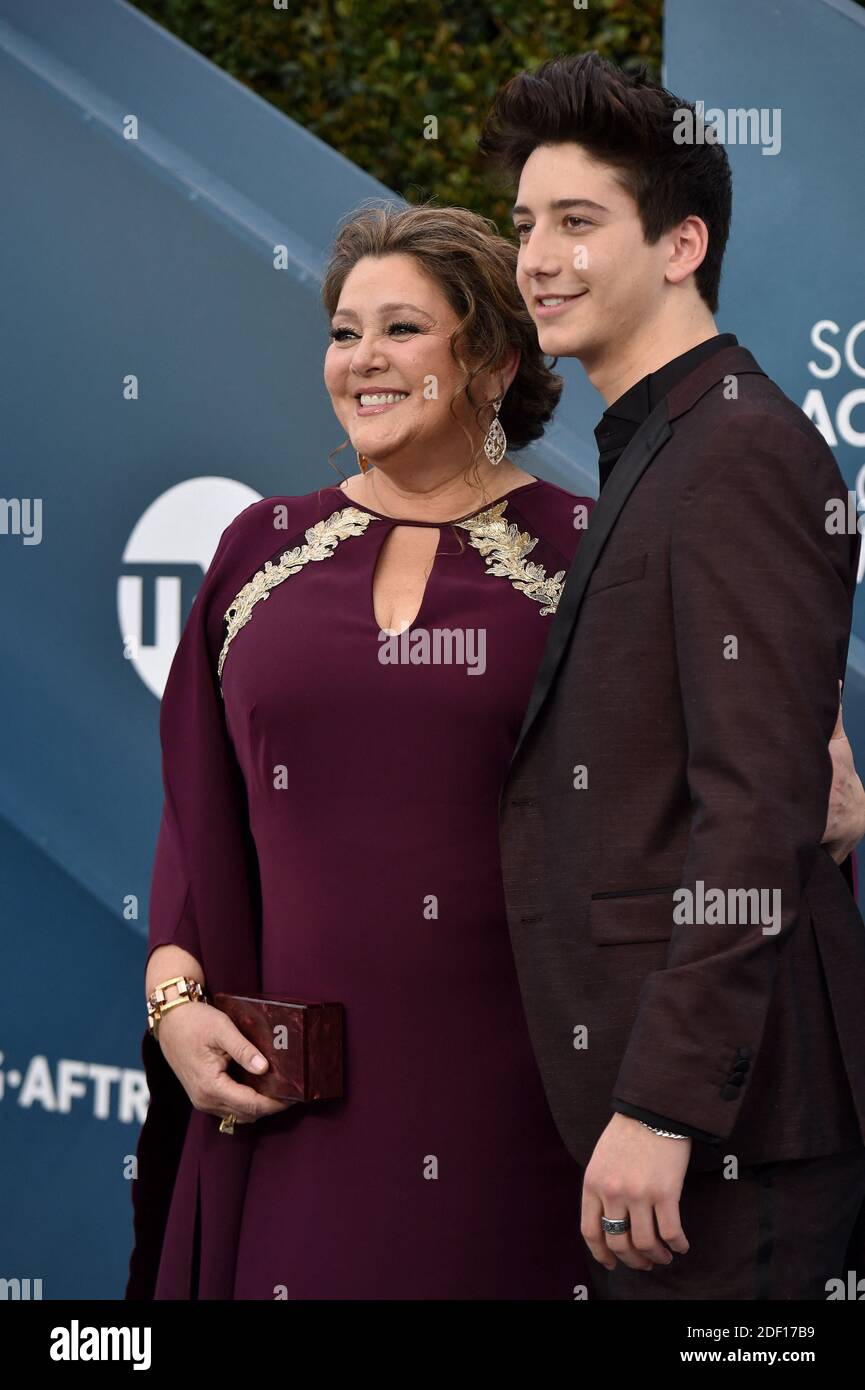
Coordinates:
<point>386,309</point>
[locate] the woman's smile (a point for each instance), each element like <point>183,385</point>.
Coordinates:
<point>376,402</point>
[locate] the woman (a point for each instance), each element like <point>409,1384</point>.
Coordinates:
<point>332,768</point>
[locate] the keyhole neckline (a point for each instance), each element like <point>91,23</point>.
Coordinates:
<point>413,521</point>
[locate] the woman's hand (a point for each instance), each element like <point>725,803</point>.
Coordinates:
<point>198,1041</point>
<point>845,821</point>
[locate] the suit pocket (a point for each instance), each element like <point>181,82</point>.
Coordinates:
<point>631,918</point>
<point>616,572</point>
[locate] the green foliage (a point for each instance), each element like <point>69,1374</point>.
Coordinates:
<point>364,75</point>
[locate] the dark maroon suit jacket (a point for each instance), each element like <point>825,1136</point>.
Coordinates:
<point>677,735</point>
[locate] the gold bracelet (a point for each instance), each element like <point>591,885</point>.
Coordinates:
<point>189,991</point>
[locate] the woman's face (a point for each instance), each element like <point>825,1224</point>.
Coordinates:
<point>391,338</point>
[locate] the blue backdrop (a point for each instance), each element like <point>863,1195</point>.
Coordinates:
<point>161,368</point>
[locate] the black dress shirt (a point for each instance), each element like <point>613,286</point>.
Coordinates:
<point>617,426</point>
<point>621,420</point>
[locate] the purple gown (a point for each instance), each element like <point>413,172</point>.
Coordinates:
<point>372,789</point>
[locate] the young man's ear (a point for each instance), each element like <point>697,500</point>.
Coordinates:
<point>689,244</point>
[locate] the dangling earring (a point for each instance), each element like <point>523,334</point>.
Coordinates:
<point>496,441</point>
<point>362,462</point>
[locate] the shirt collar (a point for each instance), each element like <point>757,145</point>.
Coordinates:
<point>621,419</point>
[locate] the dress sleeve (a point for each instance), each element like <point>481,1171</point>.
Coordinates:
<point>172,912</point>
<point>172,916</point>
<point>205,894</point>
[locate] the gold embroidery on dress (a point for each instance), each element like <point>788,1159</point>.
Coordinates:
<point>322,540</point>
<point>505,548</point>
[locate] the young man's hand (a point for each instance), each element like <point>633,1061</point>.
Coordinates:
<point>637,1174</point>
<point>845,821</point>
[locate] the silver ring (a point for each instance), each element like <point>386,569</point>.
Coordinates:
<point>616,1228</point>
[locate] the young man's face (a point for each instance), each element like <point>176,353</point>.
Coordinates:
<point>581,239</point>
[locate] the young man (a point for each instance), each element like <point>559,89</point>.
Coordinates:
<point>691,959</point>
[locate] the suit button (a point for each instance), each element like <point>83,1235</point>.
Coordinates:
<point>729,1093</point>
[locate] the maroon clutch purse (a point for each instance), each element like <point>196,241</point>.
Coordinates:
<point>301,1040</point>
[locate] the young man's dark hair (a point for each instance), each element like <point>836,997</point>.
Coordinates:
<point>628,122</point>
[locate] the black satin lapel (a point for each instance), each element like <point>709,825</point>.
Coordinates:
<point>635,459</point>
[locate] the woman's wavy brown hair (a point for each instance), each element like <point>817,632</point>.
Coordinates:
<point>475,269</point>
